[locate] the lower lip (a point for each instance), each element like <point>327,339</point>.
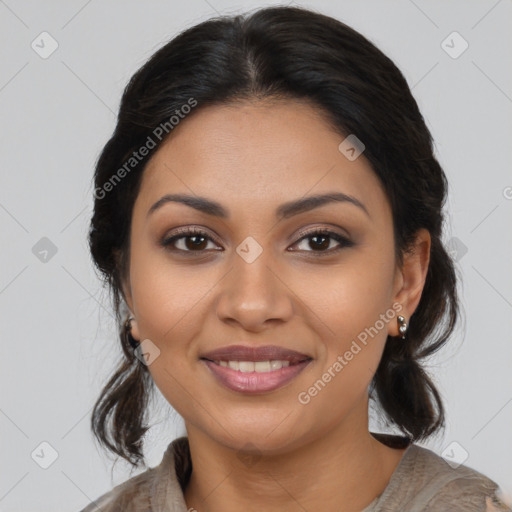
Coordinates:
<point>255,382</point>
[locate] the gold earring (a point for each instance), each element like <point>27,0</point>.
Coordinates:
<point>402,326</point>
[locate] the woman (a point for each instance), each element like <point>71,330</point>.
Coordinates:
<point>268,215</point>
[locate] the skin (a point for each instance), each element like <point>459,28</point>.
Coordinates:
<point>251,157</point>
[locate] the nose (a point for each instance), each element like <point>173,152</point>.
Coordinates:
<point>253,295</point>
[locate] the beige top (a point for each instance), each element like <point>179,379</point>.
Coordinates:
<point>422,481</point>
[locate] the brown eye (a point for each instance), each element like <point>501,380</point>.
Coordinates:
<point>322,241</point>
<point>190,240</point>
<point>195,242</point>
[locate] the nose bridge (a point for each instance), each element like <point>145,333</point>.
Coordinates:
<point>252,270</point>
<point>252,292</point>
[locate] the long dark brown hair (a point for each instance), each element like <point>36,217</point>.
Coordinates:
<point>280,52</point>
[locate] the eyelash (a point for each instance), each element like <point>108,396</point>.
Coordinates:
<point>189,232</point>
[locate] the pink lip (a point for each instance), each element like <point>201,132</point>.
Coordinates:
<point>255,382</point>
<point>248,353</point>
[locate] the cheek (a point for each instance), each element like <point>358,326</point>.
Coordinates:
<point>354,305</point>
<point>350,297</point>
<point>352,311</point>
<point>168,305</point>
<point>169,300</point>
<point>165,294</point>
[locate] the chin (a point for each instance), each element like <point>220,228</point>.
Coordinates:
<point>272,437</point>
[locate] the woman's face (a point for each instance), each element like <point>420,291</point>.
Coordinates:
<point>256,277</point>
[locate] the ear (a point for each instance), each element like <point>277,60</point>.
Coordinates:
<point>126,291</point>
<point>410,277</point>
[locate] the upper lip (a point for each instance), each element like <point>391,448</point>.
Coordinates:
<point>247,353</point>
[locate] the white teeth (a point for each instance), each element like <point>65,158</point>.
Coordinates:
<point>246,366</point>
<point>262,366</point>
<point>254,366</point>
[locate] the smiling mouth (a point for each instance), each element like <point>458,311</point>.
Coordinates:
<point>257,366</point>
<point>255,377</point>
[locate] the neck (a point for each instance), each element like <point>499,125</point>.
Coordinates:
<point>346,467</point>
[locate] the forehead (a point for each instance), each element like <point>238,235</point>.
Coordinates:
<point>255,153</point>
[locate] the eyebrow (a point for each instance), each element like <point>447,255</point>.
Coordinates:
<point>284,211</point>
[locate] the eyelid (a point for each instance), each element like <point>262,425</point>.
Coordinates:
<point>192,230</point>
<point>302,233</point>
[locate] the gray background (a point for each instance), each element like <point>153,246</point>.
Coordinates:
<point>59,344</point>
